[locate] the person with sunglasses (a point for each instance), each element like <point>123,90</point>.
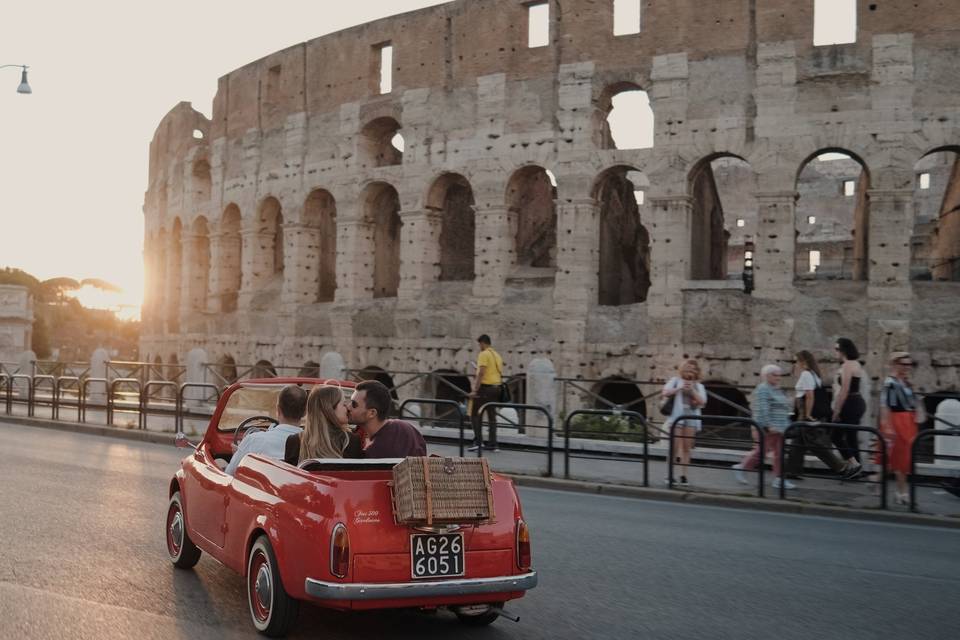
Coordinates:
<point>389,438</point>
<point>898,419</point>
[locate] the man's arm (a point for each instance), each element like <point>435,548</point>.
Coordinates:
<point>241,451</point>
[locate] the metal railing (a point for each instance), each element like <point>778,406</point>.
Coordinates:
<point>35,383</point>
<point>535,408</point>
<point>454,406</point>
<point>756,431</point>
<point>629,415</point>
<point>952,430</point>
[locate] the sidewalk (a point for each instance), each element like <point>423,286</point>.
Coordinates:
<point>594,466</point>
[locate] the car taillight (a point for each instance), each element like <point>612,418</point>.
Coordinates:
<point>523,545</point>
<point>339,551</point>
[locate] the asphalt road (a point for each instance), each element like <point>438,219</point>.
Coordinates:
<point>82,556</point>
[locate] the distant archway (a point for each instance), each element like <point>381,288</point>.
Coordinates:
<point>619,392</point>
<point>320,213</point>
<point>174,275</point>
<point>452,197</point>
<point>936,233</point>
<point>624,118</point>
<point>531,194</point>
<point>229,267</point>
<point>726,400</point>
<point>264,369</point>
<point>624,275</point>
<point>382,212</point>
<point>198,263</point>
<point>310,369</point>
<point>381,143</point>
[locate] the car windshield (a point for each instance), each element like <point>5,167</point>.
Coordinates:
<point>251,400</point>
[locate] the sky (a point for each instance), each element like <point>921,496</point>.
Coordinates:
<point>73,155</point>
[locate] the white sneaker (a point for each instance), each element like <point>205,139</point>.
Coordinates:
<point>739,474</point>
<point>786,483</point>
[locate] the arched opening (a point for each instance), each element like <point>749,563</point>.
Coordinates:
<point>320,213</point>
<point>531,194</point>
<point>723,217</point>
<point>619,392</point>
<point>452,197</point>
<point>201,181</point>
<point>270,227</point>
<point>449,385</point>
<point>264,369</point>
<point>174,271</point>
<point>382,212</point>
<point>227,368</point>
<point>230,270</point>
<point>624,118</point>
<point>310,369</point>
<point>157,372</point>
<point>725,400</point>
<point>198,264</point>
<point>936,230</point>
<point>159,281</point>
<point>833,212</point>
<point>624,276</point>
<point>381,144</point>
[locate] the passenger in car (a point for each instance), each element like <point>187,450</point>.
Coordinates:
<point>326,432</point>
<point>369,408</point>
<point>291,404</point>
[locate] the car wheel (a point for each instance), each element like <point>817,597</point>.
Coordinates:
<point>477,615</point>
<point>273,612</point>
<point>183,553</point>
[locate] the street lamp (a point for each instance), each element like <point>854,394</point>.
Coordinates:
<point>24,86</point>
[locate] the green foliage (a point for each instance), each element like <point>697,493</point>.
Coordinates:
<point>609,427</point>
<point>41,338</point>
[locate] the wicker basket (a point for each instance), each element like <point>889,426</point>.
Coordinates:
<point>428,491</point>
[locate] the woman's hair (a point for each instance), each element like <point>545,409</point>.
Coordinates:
<point>691,364</point>
<point>809,363</point>
<point>847,348</point>
<point>323,436</point>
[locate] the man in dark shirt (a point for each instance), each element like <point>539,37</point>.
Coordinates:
<point>368,409</point>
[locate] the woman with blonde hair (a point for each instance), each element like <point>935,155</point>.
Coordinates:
<point>326,432</point>
<point>685,395</point>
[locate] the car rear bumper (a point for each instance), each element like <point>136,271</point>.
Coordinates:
<point>426,589</point>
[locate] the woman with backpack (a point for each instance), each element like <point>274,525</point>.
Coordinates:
<point>813,405</point>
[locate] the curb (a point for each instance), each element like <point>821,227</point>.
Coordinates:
<point>577,486</point>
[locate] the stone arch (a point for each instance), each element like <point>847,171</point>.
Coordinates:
<point>198,264</point>
<point>157,372</point>
<point>449,385</point>
<point>379,145</point>
<point>725,400</point>
<point>320,214</point>
<point>270,229</point>
<point>174,274</point>
<point>228,368</point>
<point>230,259</point>
<point>623,117</point>
<point>531,195</point>
<point>452,196</point>
<point>202,181</point>
<point>310,369</point>
<point>264,369</point>
<point>624,275</point>
<point>936,234</point>
<point>619,391</point>
<point>715,185</point>
<point>158,280</point>
<point>832,216</point>
<point>381,210</point>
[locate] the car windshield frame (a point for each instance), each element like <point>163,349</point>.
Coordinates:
<point>253,399</point>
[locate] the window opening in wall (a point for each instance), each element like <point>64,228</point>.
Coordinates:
<point>811,219</point>
<point>626,17</point>
<point>831,156</point>
<point>813,261</point>
<point>629,121</point>
<point>386,68</point>
<point>538,25</point>
<point>849,188</point>
<point>722,189</point>
<point>624,275</point>
<point>834,22</point>
<point>935,239</point>
<point>552,178</point>
<point>197,134</point>
<point>397,142</point>
<point>639,196</point>
<point>924,181</point>
<point>741,223</point>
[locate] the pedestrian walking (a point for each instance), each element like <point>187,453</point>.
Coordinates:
<point>811,404</point>
<point>848,404</point>
<point>684,394</point>
<point>487,388</point>
<point>771,411</point>
<point>898,420</point>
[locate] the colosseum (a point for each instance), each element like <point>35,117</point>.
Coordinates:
<point>388,192</point>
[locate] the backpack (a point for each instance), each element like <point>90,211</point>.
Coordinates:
<point>821,410</point>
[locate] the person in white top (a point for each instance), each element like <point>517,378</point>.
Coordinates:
<point>291,405</point>
<point>689,396</point>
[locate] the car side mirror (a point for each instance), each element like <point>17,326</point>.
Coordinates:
<point>181,442</point>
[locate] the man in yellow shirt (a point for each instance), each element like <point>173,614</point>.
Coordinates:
<point>486,388</point>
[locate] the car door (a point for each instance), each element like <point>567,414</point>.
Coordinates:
<point>206,496</point>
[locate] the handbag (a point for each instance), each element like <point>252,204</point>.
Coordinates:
<point>821,410</point>
<point>504,389</point>
<point>666,405</point>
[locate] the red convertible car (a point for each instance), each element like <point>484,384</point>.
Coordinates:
<point>325,532</point>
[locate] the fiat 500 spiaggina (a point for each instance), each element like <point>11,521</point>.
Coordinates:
<point>325,532</point>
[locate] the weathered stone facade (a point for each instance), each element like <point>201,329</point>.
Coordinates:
<point>16,322</point>
<point>288,225</point>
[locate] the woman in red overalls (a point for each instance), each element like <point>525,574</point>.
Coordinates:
<point>898,419</point>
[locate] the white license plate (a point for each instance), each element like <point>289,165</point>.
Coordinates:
<point>436,555</point>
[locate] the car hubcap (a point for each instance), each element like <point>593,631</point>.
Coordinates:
<point>175,530</point>
<point>261,589</point>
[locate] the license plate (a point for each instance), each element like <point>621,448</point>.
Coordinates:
<point>436,555</point>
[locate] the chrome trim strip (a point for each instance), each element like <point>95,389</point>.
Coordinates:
<point>439,588</point>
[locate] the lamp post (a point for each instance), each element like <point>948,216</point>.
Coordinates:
<point>23,87</point>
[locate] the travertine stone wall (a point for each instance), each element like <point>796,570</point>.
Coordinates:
<point>16,322</point>
<point>294,275</point>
